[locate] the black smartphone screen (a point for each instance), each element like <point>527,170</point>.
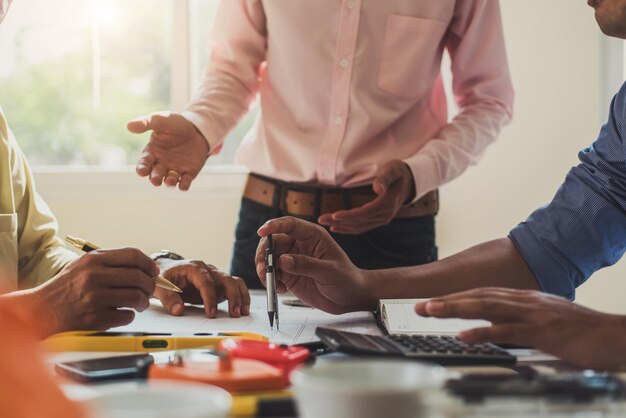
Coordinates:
<point>106,369</point>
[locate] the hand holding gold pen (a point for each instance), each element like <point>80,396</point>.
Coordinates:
<point>87,246</point>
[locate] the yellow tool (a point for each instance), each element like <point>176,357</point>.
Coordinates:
<point>139,341</point>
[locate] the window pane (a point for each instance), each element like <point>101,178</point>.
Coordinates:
<point>201,17</point>
<point>73,72</point>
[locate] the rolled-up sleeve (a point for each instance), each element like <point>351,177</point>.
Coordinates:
<point>231,79</point>
<point>483,91</point>
<point>583,228</point>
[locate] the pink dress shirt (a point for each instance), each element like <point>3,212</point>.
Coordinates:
<point>346,85</point>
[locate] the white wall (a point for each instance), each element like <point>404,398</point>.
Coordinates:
<point>120,209</point>
<point>554,50</point>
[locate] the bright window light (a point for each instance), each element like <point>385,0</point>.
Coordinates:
<point>73,72</point>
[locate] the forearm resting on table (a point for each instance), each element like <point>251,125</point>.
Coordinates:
<point>495,263</point>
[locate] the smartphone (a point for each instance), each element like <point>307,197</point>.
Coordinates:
<point>107,369</point>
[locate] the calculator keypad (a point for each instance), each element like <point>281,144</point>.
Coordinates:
<point>442,345</point>
<point>441,349</point>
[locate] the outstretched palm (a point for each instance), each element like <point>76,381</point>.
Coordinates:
<point>175,153</point>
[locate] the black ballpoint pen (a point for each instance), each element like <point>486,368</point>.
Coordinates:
<point>272,297</point>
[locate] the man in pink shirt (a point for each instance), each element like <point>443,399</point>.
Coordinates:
<point>353,131</point>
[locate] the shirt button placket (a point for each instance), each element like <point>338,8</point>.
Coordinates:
<point>340,92</point>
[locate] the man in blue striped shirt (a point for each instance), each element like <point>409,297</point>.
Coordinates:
<point>555,250</point>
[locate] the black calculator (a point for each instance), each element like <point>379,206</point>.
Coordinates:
<point>441,349</point>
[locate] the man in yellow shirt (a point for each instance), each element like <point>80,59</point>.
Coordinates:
<point>99,289</point>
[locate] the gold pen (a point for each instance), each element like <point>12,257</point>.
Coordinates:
<point>87,247</point>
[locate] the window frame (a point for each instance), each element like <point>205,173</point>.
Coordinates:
<point>180,67</point>
<point>613,73</point>
<point>181,92</point>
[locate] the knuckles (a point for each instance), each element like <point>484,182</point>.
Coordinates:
<point>134,253</point>
<point>89,298</point>
<point>199,264</point>
<point>90,260</point>
<point>236,279</point>
<point>319,230</point>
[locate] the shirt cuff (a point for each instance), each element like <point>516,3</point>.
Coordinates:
<point>44,266</point>
<point>215,143</point>
<point>552,278</point>
<point>425,175</point>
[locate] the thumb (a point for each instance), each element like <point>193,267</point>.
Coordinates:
<point>147,123</point>
<point>388,174</point>
<point>138,126</point>
<point>172,301</point>
<point>303,265</point>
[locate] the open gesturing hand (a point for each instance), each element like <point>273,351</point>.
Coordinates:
<point>176,150</point>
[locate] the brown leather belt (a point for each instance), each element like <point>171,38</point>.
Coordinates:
<point>307,201</point>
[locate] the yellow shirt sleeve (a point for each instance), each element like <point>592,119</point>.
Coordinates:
<point>40,252</point>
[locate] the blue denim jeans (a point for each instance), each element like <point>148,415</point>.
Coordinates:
<point>403,242</point>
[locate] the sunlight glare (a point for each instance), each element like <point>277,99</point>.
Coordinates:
<point>106,12</point>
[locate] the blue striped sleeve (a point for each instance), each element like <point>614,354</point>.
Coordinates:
<point>583,229</point>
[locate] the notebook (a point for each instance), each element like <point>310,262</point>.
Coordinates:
<point>397,316</point>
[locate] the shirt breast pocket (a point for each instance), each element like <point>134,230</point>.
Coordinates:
<point>8,252</point>
<point>411,55</point>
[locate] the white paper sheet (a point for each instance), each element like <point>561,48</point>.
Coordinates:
<point>400,318</point>
<point>297,324</point>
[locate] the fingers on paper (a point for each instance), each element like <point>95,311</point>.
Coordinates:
<point>172,301</point>
<point>234,293</point>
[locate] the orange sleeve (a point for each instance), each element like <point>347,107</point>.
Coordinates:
<point>27,388</point>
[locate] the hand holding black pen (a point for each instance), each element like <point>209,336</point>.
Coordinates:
<point>272,297</point>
